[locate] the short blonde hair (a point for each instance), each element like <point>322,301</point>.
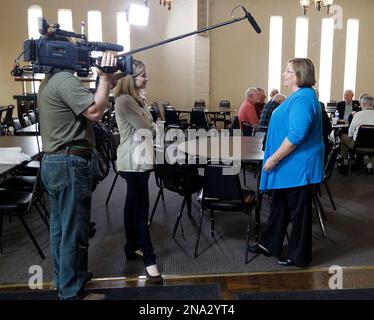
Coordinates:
<point>126,85</point>
<point>304,71</point>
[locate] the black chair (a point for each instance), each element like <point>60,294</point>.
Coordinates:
<point>364,144</point>
<point>321,215</point>
<point>2,129</point>
<point>25,121</point>
<point>32,116</point>
<point>199,120</point>
<point>223,192</point>
<point>29,169</point>
<point>112,122</point>
<point>107,116</point>
<point>172,120</point>
<point>225,104</point>
<point>103,138</point>
<point>329,168</point>
<point>223,116</point>
<point>153,113</point>
<point>1,114</point>
<point>16,124</point>
<point>8,120</point>
<point>247,129</point>
<point>156,109</point>
<point>234,125</point>
<point>19,203</point>
<point>22,108</point>
<point>164,106</point>
<point>331,109</point>
<point>28,183</point>
<point>32,106</point>
<point>199,103</point>
<point>181,179</point>
<point>115,143</point>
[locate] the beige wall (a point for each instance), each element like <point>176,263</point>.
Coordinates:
<point>238,56</point>
<point>170,66</point>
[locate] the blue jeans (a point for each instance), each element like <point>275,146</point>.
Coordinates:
<point>69,180</point>
<point>136,215</point>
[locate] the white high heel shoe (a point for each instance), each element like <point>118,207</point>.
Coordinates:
<point>153,275</point>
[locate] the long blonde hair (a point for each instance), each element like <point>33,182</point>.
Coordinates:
<point>126,85</point>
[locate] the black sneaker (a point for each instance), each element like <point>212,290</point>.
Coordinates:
<point>285,262</point>
<point>260,249</point>
<point>132,255</point>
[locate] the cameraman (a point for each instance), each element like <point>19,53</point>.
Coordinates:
<point>69,170</point>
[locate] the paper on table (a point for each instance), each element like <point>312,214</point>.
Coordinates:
<point>13,156</point>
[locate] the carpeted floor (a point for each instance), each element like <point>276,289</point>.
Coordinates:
<point>349,242</point>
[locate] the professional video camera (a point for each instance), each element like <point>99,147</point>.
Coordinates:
<point>55,50</point>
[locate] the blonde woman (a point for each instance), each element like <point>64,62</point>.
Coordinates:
<point>134,161</point>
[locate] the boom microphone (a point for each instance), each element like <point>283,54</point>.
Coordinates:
<point>102,46</point>
<point>252,20</point>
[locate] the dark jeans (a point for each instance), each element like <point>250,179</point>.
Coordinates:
<point>136,215</point>
<point>291,205</point>
<point>69,180</point>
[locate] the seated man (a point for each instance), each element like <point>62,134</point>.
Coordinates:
<point>266,114</point>
<point>273,93</point>
<point>364,117</point>
<point>260,104</point>
<point>347,106</point>
<point>247,111</point>
<point>269,108</point>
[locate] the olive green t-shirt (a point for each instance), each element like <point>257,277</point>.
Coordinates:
<point>61,100</point>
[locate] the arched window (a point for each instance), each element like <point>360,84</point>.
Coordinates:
<point>95,30</point>
<point>65,19</point>
<point>275,52</point>
<point>123,31</point>
<point>325,64</point>
<point>33,13</point>
<point>351,51</point>
<point>301,38</point>
<point>95,33</point>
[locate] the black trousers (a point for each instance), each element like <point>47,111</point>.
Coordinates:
<point>291,205</point>
<point>136,215</point>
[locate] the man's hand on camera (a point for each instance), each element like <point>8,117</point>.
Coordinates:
<point>107,60</point>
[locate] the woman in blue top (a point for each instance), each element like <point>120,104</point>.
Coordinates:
<point>293,163</point>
